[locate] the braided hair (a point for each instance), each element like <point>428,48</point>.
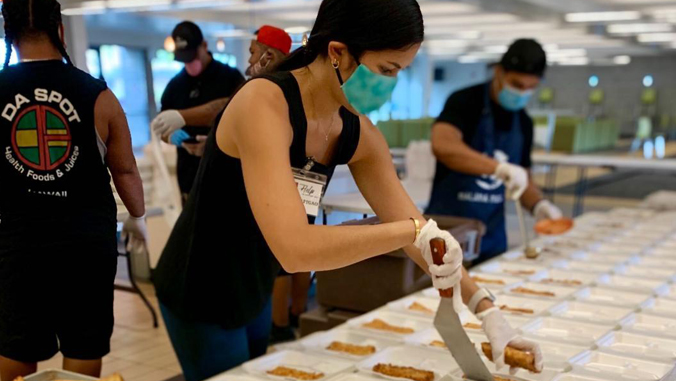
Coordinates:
<point>32,19</point>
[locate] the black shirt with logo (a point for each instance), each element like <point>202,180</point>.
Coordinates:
<point>54,183</point>
<point>184,91</point>
<point>464,108</point>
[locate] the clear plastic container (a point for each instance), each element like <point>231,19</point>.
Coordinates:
<point>592,266</point>
<point>492,281</point>
<point>304,362</point>
<point>518,270</point>
<point>416,305</point>
<point>229,376</point>
<point>431,339</point>
<point>635,284</point>
<point>624,250</point>
<point>650,325</point>
<point>591,313</point>
<point>657,262</point>
<point>648,273</point>
<point>58,374</point>
<point>521,375</point>
<point>566,331</point>
<point>556,355</point>
<point>579,377</point>
<point>545,259</point>
<point>640,346</point>
<point>420,358</point>
<point>661,252</point>
<point>320,343</point>
<point>408,323</point>
<point>596,363</point>
<point>540,291</point>
<point>557,277</point>
<point>522,306</point>
<point>355,377</point>
<point>661,306</point>
<point>606,296</point>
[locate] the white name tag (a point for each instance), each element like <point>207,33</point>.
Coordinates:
<point>311,189</point>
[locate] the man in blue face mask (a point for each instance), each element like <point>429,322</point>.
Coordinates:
<point>482,141</point>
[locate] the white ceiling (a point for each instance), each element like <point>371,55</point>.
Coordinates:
<point>575,32</point>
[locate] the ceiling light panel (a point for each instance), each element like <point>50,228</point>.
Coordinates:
<point>603,16</point>
<point>472,20</point>
<point>629,29</point>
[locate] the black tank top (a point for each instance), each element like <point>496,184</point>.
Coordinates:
<point>54,184</point>
<point>217,267</point>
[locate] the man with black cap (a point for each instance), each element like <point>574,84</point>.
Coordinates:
<point>482,141</point>
<point>192,100</point>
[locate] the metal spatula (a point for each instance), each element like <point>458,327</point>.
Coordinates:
<point>448,323</point>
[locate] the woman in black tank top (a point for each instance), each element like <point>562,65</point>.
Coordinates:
<point>253,203</point>
<point>63,135</point>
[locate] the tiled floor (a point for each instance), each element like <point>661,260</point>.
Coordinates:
<point>139,352</point>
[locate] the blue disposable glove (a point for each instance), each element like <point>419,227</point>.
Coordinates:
<point>178,137</point>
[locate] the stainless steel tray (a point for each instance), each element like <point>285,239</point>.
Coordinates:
<point>58,374</point>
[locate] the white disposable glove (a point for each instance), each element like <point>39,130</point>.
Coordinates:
<point>449,274</point>
<point>166,122</point>
<point>501,334</point>
<point>515,179</point>
<point>545,210</point>
<point>135,230</point>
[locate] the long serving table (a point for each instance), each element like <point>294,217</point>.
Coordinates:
<point>584,162</point>
<point>606,312</point>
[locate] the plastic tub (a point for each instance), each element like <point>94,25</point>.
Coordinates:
<point>557,292</point>
<point>648,272</point>
<point>635,284</point>
<point>431,339</point>
<point>606,296</point>
<point>416,305</point>
<point>591,266</point>
<point>650,325</point>
<point>424,359</point>
<point>519,270</point>
<point>490,281</point>
<point>661,306</point>
<point>565,278</point>
<point>328,366</point>
<point>640,346</point>
<point>320,343</point>
<point>596,363</point>
<point>521,375</point>
<point>591,313</point>
<point>509,305</point>
<point>413,323</point>
<point>566,331</point>
<point>557,355</point>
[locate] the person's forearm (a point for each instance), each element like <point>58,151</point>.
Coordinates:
<point>461,158</point>
<point>469,288</point>
<point>204,115</point>
<point>343,245</point>
<point>130,188</point>
<point>531,196</point>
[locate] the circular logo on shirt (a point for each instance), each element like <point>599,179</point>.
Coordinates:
<point>41,138</point>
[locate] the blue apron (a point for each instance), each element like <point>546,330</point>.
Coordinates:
<point>482,197</point>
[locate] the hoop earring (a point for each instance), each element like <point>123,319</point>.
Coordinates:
<point>335,64</point>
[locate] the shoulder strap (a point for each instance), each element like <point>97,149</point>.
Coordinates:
<point>349,139</point>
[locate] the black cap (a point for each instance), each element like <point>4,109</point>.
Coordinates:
<point>187,38</point>
<point>525,56</point>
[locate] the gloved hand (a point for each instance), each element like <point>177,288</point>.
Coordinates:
<point>135,230</point>
<point>178,137</point>
<point>545,210</point>
<point>166,122</point>
<point>515,179</point>
<point>501,334</point>
<point>449,274</point>
<point>196,149</point>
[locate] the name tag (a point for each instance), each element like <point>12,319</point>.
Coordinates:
<point>311,190</point>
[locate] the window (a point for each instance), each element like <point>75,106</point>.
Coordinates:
<point>124,70</point>
<point>3,52</point>
<point>164,69</point>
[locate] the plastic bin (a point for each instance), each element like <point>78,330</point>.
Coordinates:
<point>370,284</point>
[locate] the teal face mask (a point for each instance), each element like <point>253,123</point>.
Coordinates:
<point>512,99</point>
<point>367,91</point>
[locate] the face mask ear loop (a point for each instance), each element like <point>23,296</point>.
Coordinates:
<point>336,67</point>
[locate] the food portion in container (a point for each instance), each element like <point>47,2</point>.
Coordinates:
<point>565,278</point>
<point>351,349</point>
<point>519,270</point>
<point>417,305</point>
<point>406,372</point>
<point>381,325</point>
<point>521,305</point>
<point>513,357</point>
<point>554,227</point>
<point>494,282</point>
<point>546,291</point>
<point>286,372</point>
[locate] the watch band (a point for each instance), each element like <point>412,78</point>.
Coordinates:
<point>478,297</point>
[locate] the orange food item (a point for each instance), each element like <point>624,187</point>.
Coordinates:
<point>566,282</point>
<point>282,371</point>
<point>352,349</point>
<point>384,326</point>
<point>487,281</point>
<point>517,310</point>
<point>554,227</point>
<point>472,326</point>
<point>495,378</point>
<point>438,344</point>
<point>528,291</point>
<point>404,372</point>
<point>513,357</point>
<point>520,272</point>
<point>415,306</point>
